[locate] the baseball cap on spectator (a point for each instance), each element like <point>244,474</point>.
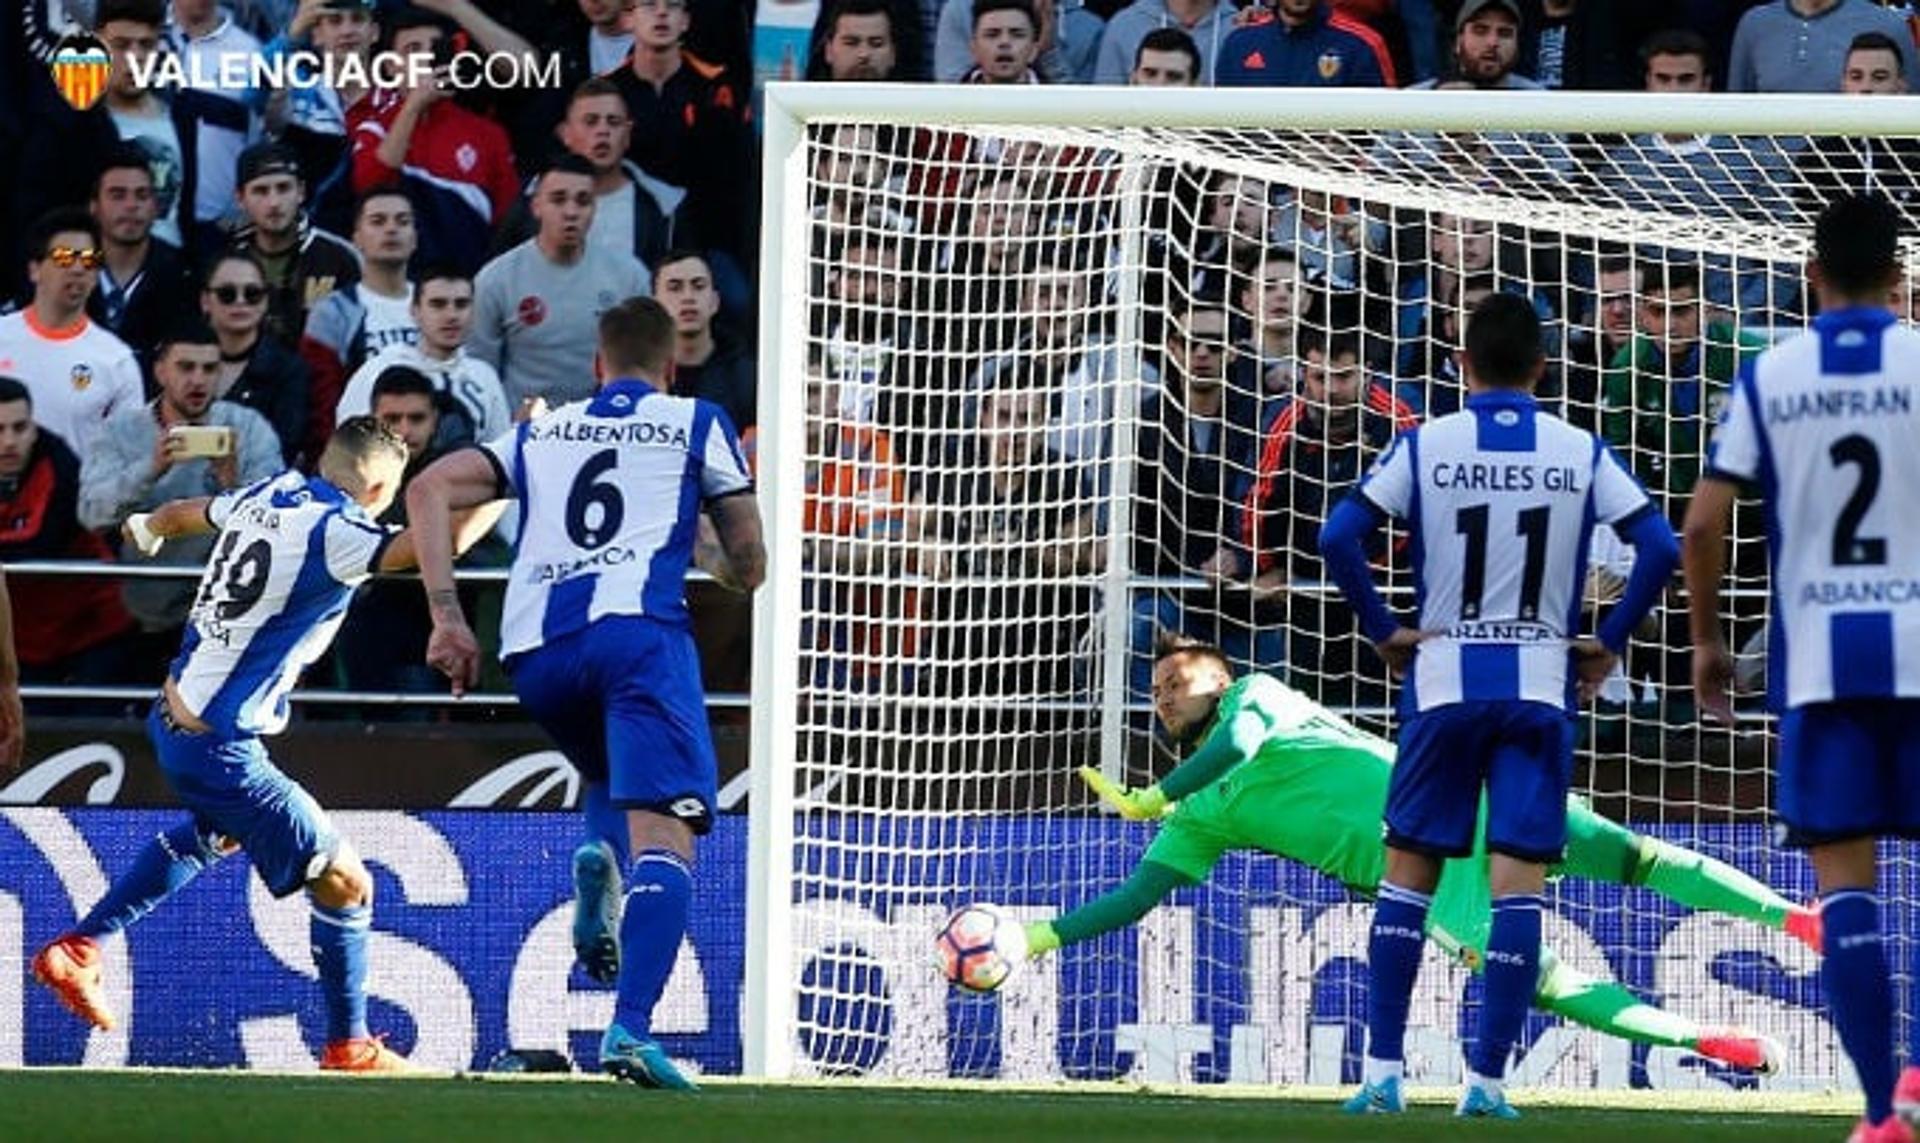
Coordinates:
<point>1473,8</point>
<point>263,159</point>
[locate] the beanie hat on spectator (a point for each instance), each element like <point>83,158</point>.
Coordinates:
<point>1473,8</point>
<point>263,159</point>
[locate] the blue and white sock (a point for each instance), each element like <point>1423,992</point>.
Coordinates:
<point>1393,963</point>
<point>651,928</point>
<point>1859,995</point>
<point>1513,975</point>
<point>340,953</point>
<point>164,865</point>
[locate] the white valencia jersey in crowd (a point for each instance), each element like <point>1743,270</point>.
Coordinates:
<point>610,491</point>
<point>289,554</point>
<point>1826,423</point>
<point>1500,500</point>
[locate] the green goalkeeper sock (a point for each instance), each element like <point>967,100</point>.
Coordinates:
<point>1610,1008</point>
<point>1700,882</point>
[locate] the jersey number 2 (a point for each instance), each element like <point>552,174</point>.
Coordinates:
<point>1471,522</point>
<point>595,509</point>
<point>1850,549</point>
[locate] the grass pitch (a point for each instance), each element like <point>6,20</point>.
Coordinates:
<point>72,1106</point>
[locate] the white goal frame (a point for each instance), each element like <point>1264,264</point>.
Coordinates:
<point>768,1017</point>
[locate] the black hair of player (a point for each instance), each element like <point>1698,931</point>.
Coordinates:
<point>1856,244</point>
<point>1503,342</point>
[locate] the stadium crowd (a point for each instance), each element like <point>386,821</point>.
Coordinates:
<point>272,262</point>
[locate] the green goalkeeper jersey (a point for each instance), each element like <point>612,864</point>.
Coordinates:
<point>1280,770</point>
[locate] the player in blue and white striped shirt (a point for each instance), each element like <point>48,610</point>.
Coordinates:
<point>290,553</point>
<point>617,495</point>
<point>1500,501</point>
<point>1827,425</point>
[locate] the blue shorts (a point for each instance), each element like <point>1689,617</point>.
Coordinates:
<point>1849,769</point>
<point>233,789</point>
<point>1521,753</point>
<point>622,699</point>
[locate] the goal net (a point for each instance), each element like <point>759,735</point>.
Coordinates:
<point>1041,389</point>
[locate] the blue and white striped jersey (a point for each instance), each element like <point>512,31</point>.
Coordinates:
<point>1826,423</point>
<point>1500,500</point>
<point>290,552</point>
<point>610,492</point>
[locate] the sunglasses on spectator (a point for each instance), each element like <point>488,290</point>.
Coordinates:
<point>228,295</point>
<point>66,257</point>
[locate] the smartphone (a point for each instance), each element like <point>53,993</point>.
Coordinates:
<point>207,441</point>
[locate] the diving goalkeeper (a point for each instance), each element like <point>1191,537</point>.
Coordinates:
<point>1277,772</point>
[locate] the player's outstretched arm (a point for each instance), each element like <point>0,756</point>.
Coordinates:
<point>147,531</point>
<point>1703,557</point>
<point>464,479</point>
<point>734,554</point>
<point>1149,884</point>
<point>470,526</point>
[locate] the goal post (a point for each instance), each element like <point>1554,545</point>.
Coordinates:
<point>1045,371</point>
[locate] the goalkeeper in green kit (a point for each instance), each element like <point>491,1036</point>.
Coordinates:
<point>1274,771</point>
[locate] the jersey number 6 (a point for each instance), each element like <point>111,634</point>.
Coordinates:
<point>594,508</point>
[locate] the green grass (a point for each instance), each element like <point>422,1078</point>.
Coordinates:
<point>69,1106</point>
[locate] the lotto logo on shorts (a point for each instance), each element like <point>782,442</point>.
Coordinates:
<point>81,68</point>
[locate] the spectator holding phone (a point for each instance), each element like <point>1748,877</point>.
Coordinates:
<point>184,444</point>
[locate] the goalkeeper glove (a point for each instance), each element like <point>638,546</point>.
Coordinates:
<point>1041,939</point>
<point>1133,805</point>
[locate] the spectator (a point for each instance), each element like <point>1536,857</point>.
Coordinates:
<point>1697,174</point>
<point>145,285</point>
<point>1589,45</point>
<point>1330,235</point>
<point>1271,300</point>
<point>632,209</point>
<point>1486,46</point>
<point>1305,44</point>
<point>342,33</point>
<point>1064,346</point>
<point>455,165</point>
<point>473,406</point>
<point>708,362</point>
<point>256,370</point>
<point>166,134</point>
<point>1458,247</point>
<point>1005,42</point>
<point>1166,57</point>
<point>1801,45</point>
<point>1660,394</point>
<point>1194,28</point>
<point>355,322</point>
<point>857,184</point>
<point>139,464</point>
<point>207,41</point>
<point>863,40</point>
<point>80,375</point>
<point>857,519</point>
<point>1197,437</point>
<point>535,307</point>
<point>1065,36</point>
<point>1007,509</point>
<point>64,630</point>
<point>1838,165</point>
<point>303,263</point>
<point>1312,449</point>
<point>383,642</point>
<point>1600,332</point>
<point>691,130</point>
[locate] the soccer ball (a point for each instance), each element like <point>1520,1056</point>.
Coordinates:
<point>979,947</point>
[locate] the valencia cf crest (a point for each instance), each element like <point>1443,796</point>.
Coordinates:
<point>81,377</point>
<point>81,67</point>
<point>1330,65</point>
